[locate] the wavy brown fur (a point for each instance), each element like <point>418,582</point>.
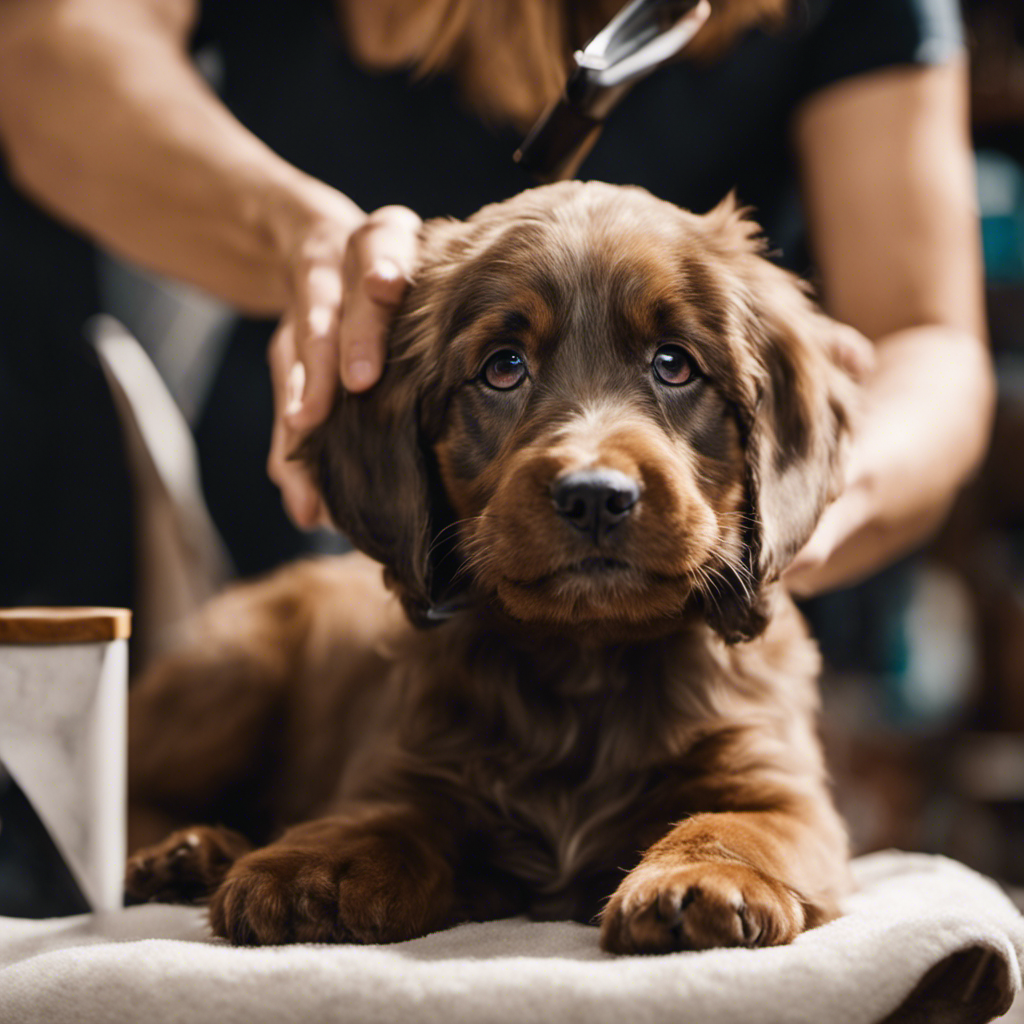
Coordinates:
<point>649,688</point>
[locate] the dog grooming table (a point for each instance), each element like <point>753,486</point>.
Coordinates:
<point>923,939</point>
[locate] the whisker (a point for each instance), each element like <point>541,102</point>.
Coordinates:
<point>750,517</point>
<point>706,587</point>
<point>442,534</point>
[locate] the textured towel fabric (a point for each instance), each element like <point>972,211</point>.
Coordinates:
<point>923,939</point>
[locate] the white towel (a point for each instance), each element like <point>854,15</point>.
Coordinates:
<point>923,938</point>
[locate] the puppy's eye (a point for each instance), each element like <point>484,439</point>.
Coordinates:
<point>672,365</point>
<point>504,370</point>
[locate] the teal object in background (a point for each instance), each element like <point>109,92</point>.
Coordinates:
<point>1001,204</point>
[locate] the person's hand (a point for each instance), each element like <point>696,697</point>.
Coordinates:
<point>818,565</point>
<point>347,287</point>
<point>830,557</point>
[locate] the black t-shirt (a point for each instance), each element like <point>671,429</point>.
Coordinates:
<point>688,134</point>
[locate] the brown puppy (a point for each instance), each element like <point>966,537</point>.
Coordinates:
<point>605,428</point>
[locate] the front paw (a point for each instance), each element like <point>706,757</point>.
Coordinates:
<point>338,894</point>
<point>185,868</point>
<point>659,909</point>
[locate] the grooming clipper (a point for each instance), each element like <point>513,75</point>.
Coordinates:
<point>640,38</point>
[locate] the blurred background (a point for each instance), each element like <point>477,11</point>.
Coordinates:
<point>924,688</point>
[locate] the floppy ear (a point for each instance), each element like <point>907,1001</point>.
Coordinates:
<point>794,402</point>
<point>372,456</point>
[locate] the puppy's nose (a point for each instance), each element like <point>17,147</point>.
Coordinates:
<point>595,501</point>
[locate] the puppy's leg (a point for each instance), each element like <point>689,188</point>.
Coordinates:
<point>377,874</point>
<point>203,721</point>
<point>186,867</point>
<point>201,731</point>
<point>731,879</point>
<point>198,724</point>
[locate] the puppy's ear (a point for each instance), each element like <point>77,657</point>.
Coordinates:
<point>804,405</point>
<point>372,457</point>
<point>795,403</point>
<point>731,231</point>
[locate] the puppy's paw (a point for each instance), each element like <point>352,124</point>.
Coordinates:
<point>660,909</point>
<point>185,868</point>
<point>338,894</point>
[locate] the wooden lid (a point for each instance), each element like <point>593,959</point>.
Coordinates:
<point>64,625</point>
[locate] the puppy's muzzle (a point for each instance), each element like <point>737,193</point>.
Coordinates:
<point>595,501</point>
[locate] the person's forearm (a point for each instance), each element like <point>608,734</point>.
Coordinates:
<point>922,433</point>
<point>889,189</point>
<point>104,121</point>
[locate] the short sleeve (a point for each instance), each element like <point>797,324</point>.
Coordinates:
<point>854,37</point>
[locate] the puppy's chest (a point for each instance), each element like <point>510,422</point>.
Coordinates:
<point>548,833</point>
<point>557,803</point>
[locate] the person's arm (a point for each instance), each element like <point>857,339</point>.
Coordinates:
<point>889,190</point>
<point>106,123</point>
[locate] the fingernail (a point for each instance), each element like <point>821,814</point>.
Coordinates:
<point>361,374</point>
<point>319,320</point>
<point>294,389</point>
<point>387,270</point>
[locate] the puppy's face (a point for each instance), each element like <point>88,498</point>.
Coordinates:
<point>601,411</point>
<point>595,468</point>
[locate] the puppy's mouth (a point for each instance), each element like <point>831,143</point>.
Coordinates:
<point>595,570</point>
<point>596,566</point>
<point>596,592</point>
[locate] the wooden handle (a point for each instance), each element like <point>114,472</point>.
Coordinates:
<point>64,625</point>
